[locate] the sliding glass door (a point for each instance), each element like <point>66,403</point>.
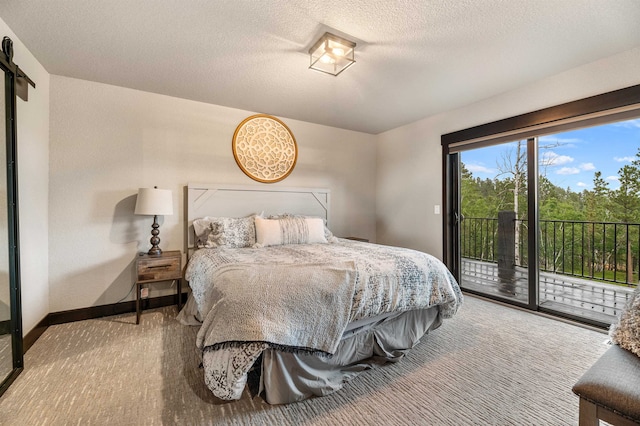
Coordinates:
<point>493,224</point>
<point>550,223</point>
<point>589,199</point>
<point>493,238</point>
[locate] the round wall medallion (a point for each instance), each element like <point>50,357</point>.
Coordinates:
<point>264,148</point>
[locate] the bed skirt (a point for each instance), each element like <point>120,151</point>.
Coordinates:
<point>289,377</point>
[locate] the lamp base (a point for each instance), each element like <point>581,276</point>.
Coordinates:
<point>154,251</point>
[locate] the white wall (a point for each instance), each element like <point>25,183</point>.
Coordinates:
<point>33,183</point>
<point>108,141</point>
<point>409,169</point>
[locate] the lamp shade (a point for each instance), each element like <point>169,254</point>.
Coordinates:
<point>154,201</point>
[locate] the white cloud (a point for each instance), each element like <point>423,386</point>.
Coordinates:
<point>478,168</point>
<point>550,158</point>
<point>612,178</point>
<point>633,124</point>
<point>624,159</point>
<point>568,171</point>
<point>587,167</point>
<point>582,184</point>
<point>553,140</point>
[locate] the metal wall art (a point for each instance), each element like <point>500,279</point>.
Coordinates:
<point>265,148</point>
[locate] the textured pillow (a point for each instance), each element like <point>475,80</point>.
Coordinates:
<point>289,230</point>
<point>626,332</point>
<point>328,235</point>
<point>235,232</point>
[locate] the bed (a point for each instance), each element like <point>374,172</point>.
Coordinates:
<point>288,309</point>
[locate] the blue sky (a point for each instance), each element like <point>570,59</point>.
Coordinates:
<point>570,159</point>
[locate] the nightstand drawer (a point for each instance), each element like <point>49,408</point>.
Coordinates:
<point>159,269</point>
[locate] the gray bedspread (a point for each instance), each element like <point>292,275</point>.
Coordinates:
<point>387,279</point>
<point>277,305</point>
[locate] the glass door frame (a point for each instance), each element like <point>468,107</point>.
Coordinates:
<point>16,84</point>
<point>453,210</point>
<point>600,109</point>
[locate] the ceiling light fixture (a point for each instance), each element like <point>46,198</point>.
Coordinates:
<point>332,54</point>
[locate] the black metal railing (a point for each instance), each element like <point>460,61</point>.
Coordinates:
<point>603,251</point>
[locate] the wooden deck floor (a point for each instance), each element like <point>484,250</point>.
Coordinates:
<point>593,300</point>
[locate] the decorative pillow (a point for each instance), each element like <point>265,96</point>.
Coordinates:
<point>235,232</point>
<point>626,332</point>
<point>288,229</point>
<point>209,232</point>
<point>328,235</point>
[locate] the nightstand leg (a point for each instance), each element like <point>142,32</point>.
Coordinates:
<point>137,303</point>
<point>179,294</point>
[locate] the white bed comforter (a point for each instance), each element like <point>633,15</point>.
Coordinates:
<point>387,279</point>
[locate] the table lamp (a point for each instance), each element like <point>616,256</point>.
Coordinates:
<point>154,202</point>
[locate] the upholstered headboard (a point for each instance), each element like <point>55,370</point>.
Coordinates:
<point>221,200</point>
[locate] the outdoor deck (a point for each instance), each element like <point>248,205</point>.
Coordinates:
<point>576,296</point>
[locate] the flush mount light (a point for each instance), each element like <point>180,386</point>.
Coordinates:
<point>332,54</point>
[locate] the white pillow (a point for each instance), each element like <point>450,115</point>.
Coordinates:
<point>289,230</point>
<point>328,235</point>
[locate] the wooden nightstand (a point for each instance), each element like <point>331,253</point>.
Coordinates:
<point>152,269</point>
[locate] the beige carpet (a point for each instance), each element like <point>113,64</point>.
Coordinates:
<point>489,365</point>
<point>6,356</point>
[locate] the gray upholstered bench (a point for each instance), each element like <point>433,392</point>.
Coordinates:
<point>610,389</point>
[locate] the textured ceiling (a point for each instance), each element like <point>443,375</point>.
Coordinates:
<point>414,58</point>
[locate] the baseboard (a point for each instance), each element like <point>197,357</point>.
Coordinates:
<point>93,312</point>
<point>30,338</point>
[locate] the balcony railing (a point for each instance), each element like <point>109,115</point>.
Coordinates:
<point>600,251</point>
